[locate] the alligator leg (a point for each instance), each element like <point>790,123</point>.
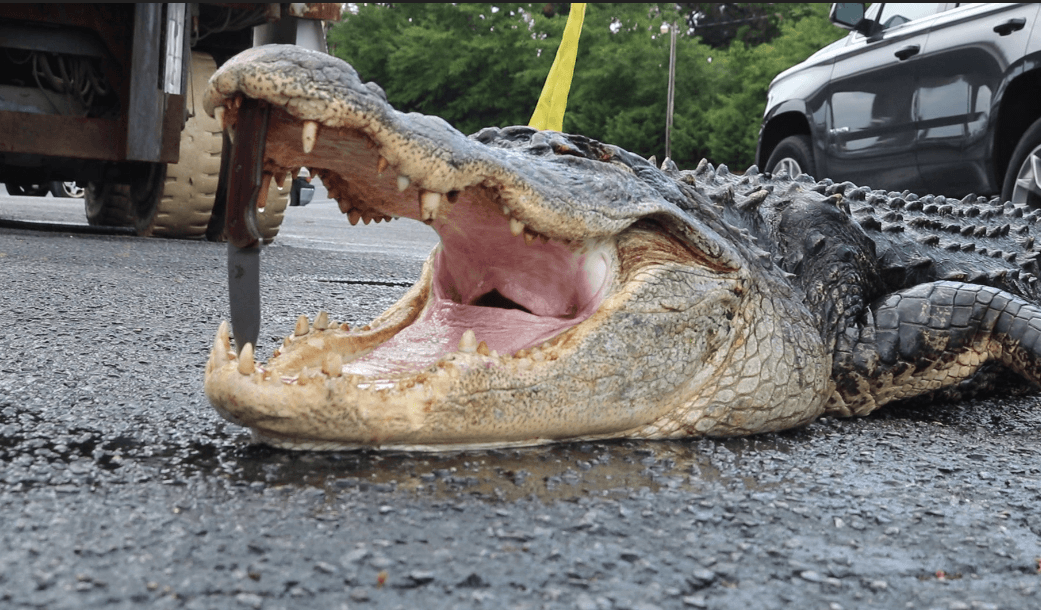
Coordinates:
<point>929,337</point>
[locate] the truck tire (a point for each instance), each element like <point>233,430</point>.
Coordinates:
<point>134,205</point>
<point>105,207</point>
<point>191,184</point>
<point>793,154</point>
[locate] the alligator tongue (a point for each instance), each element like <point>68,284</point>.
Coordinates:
<point>439,330</point>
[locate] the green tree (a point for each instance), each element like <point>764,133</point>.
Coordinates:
<point>477,65</point>
<point>474,65</point>
<point>746,74</point>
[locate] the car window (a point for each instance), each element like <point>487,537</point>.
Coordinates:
<point>899,13</point>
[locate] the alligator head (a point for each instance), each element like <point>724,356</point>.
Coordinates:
<point>577,292</point>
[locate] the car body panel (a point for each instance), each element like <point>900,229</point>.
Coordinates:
<point>962,66</point>
<point>927,122</point>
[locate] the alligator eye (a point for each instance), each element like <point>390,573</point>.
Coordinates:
<point>496,299</point>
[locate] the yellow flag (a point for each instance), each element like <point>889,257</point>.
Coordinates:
<point>549,113</point>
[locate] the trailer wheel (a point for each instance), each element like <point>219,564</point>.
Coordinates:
<point>191,184</point>
<point>110,204</point>
<point>105,206</point>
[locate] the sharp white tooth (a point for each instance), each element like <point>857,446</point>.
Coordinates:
<point>310,136</point>
<point>382,165</point>
<point>302,326</point>
<point>231,134</point>
<point>221,345</point>
<point>224,335</point>
<point>218,113</point>
<point>516,227</point>
<point>468,343</point>
<point>505,210</point>
<point>321,322</point>
<point>237,101</point>
<point>403,183</point>
<point>354,216</point>
<point>332,365</point>
<point>429,202</point>
<point>246,359</point>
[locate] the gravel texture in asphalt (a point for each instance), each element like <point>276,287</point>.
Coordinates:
<point>120,487</point>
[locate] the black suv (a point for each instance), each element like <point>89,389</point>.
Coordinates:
<point>938,98</point>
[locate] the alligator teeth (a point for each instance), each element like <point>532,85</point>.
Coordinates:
<point>482,349</point>
<point>221,344</point>
<point>506,210</point>
<point>381,165</point>
<point>236,102</point>
<point>468,343</point>
<point>332,365</point>
<point>321,322</point>
<point>429,202</point>
<point>246,359</point>
<point>354,216</point>
<point>218,113</point>
<point>403,183</point>
<point>529,237</point>
<point>366,216</point>
<point>302,326</point>
<point>310,136</point>
<point>516,227</point>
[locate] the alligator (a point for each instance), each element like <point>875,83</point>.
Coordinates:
<point>580,291</point>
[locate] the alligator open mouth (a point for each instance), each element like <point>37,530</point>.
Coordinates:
<point>569,297</point>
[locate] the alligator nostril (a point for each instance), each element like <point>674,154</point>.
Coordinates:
<point>496,299</point>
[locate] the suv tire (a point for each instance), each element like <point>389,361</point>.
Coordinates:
<point>1022,182</point>
<point>793,154</point>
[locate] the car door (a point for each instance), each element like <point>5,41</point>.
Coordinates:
<point>871,118</point>
<point>966,55</point>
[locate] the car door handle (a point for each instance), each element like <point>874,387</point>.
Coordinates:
<point>1012,25</point>
<point>908,51</point>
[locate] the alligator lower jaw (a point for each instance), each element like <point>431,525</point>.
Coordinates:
<point>409,378</point>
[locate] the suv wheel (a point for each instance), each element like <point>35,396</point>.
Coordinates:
<point>1022,182</point>
<point>793,155</point>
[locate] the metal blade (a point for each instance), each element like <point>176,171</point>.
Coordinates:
<point>246,192</point>
<point>244,294</point>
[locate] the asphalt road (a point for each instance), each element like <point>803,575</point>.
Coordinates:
<point>120,487</point>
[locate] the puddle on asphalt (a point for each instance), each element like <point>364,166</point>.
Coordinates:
<point>547,473</point>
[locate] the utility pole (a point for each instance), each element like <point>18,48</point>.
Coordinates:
<point>672,86</point>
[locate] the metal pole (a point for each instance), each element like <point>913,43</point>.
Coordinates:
<point>672,91</point>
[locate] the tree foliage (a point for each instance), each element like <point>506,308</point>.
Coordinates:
<point>477,65</point>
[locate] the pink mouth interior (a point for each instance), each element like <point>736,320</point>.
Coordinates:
<point>511,294</point>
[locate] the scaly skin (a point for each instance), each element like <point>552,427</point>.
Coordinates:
<point>579,292</point>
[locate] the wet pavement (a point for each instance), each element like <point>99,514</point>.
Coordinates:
<point>120,487</point>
